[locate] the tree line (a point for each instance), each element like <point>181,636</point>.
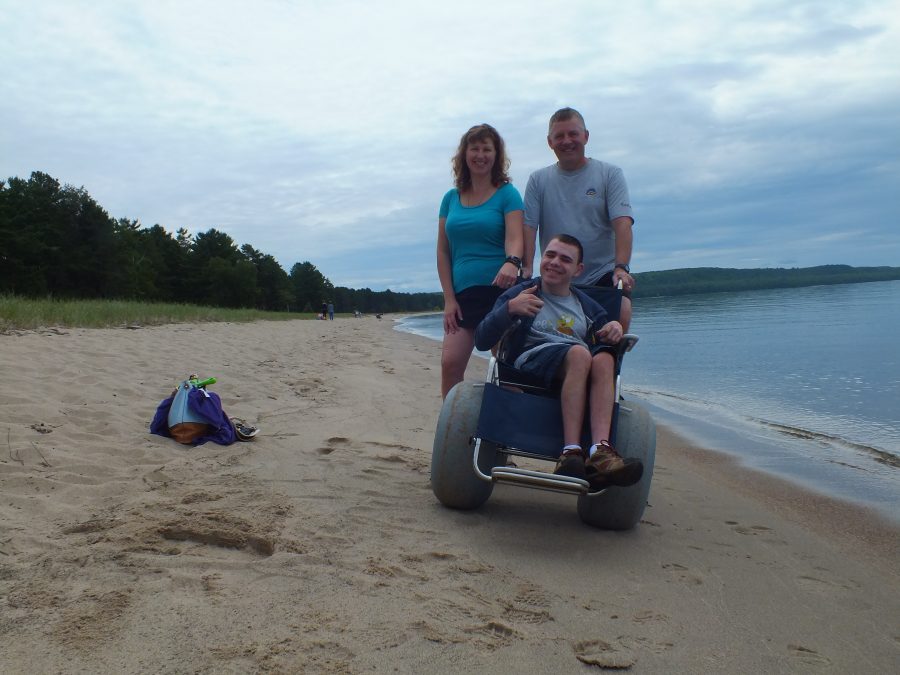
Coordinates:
<point>717,279</point>
<point>57,241</point>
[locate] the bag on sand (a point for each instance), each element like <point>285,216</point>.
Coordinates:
<point>185,425</point>
<point>193,416</point>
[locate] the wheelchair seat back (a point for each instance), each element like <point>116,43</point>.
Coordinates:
<point>609,297</point>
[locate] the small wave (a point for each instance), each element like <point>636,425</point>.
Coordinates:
<point>664,394</point>
<point>879,455</point>
<point>710,411</point>
<point>423,325</point>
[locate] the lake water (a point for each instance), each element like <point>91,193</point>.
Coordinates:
<point>803,383</point>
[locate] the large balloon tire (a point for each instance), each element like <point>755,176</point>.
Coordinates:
<point>453,478</point>
<point>621,508</point>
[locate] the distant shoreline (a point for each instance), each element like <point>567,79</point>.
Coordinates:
<point>696,280</point>
<point>703,280</point>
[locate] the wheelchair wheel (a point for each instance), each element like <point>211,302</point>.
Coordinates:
<point>621,508</point>
<point>453,478</point>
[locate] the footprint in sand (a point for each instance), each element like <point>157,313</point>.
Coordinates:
<point>805,655</point>
<point>386,368</point>
<point>218,529</point>
<point>648,616</point>
<point>93,525</point>
<point>751,530</point>
<point>604,654</point>
<point>530,605</point>
<point>683,574</point>
<point>308,387</point>
<point>92,618</point>
<point>397,453</point>
<point>332,444</point>
<point>200,496</point>
<point>818,585</point>
<point>411,457</point>
<point>494,634</point>
<point>157,478</point>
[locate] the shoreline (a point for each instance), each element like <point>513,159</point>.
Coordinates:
<point>824,476</point>
<point>319,547</point>
<point>860,523</point>
<point>840,470</point>
<point>855,527</point>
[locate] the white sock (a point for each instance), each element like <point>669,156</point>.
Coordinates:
<point>571,447</point>
<point>594,448</point>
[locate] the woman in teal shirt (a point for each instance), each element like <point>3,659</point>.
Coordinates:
<point>480,244</point>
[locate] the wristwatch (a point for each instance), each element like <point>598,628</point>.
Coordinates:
<point>515,260</point>
<point>624,266</point>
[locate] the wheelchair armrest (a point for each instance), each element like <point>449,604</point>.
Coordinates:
<point>499,349</point>
<point>627,343</point>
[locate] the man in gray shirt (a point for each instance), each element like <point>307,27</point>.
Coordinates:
<point>587,199</point>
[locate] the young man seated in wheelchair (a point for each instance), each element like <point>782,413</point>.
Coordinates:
<point>566,339</point>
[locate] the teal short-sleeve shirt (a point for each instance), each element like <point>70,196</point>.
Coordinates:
<point>477,235</point>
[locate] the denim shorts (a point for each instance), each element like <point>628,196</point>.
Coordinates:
<point>546,363</point>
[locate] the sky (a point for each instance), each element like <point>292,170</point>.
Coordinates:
<point>752,133</point>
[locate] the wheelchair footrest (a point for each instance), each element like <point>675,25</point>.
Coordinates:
<point>539,480</point>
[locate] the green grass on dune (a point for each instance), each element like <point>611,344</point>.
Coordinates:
<point>29,314</point>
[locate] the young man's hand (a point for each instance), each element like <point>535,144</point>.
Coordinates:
<point>526,303</point>
<point>611,333</point>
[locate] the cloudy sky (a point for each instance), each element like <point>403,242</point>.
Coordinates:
<point>752,133</point>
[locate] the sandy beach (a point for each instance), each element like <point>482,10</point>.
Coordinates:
<point>318,547</point>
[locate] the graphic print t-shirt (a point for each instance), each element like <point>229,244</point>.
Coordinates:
<point>560,321</point>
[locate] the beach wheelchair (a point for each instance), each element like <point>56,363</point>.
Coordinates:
<point>511,414</point>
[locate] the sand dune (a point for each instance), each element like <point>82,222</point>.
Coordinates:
<point>318,547</point>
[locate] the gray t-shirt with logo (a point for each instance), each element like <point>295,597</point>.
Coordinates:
<point>560,321</point>
<point>582,203</point>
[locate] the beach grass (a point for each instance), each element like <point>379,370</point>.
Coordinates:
<point>18,313</point>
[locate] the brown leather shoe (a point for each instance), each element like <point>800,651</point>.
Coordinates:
<point>571,463</point>
<point>606,467</point>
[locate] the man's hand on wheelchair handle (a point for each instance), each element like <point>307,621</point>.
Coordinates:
<point>611,333</point>
<point>526,303</point>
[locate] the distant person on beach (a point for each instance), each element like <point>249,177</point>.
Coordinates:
<point>479,244</point>
<point>331,311</point>
<point>566,338</point>
<point>586,198</point>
